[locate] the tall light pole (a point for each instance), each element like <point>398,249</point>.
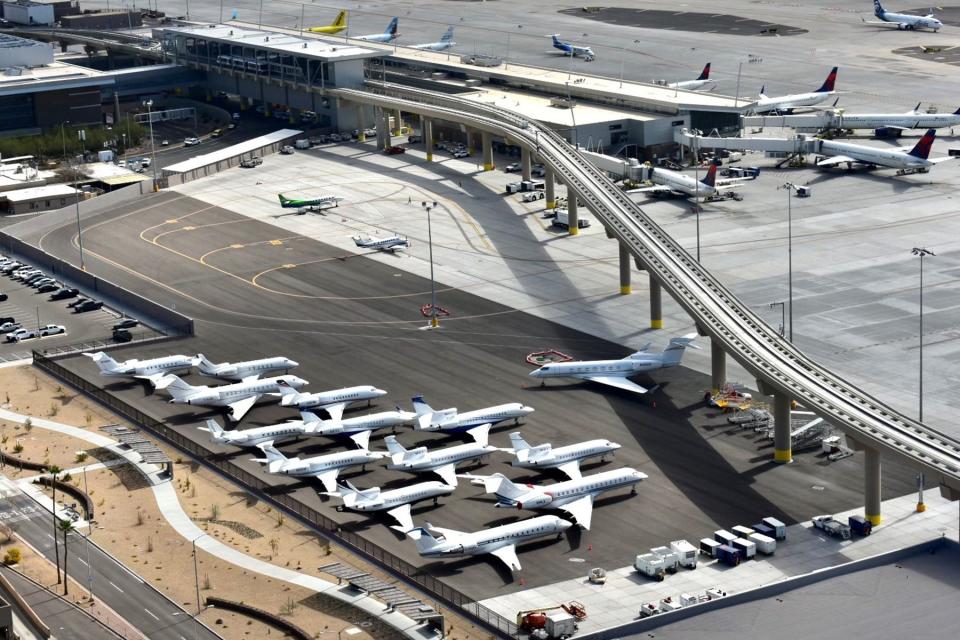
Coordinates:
<point>696,183</point>
<point>921,252</point>
<point>153,145</point>
<point>76,192</point>
<point>789,186</point>
<point>434,322</point>
<point>196,580</point>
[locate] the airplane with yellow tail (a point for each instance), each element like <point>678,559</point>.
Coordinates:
<point>338,25</point>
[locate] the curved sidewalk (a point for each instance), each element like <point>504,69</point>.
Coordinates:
<point>173,512</point>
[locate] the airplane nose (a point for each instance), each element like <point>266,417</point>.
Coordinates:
<point>563,525</point>
<point>535,373</point>
<point>379,392</point>
<point>292,363</point>
<point>527,410</point>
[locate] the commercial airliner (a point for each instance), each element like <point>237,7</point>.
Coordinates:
<point>499,541</point>
<point>667,181</point>
<point>445,42</point>
<point>694,85</point>
<point>787,103</point>
<point>614,373</point>
<point>152,370</point>
<point>913,160</point>
<point>902,21</point>
<point>573,496</point>
<point>325,202</point>
<point>389,35</point>
<point>567,458</point>
<point>573,50</point>
<point>339,24</point>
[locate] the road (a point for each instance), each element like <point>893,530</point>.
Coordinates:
<point>132,598</point>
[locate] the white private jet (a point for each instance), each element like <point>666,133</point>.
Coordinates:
<point>765,104</point>
<point>153,370</point>
<point>238,397</point>
<point>573,50</point>
<point>389,35</point>
<point>907,161</point>
<point>443,462</point>
<point>673,182</point>
<point>333,402</point>
<point>902,21</point>
<point>573,496</point>
<point>694,85</point>
<point>614,373</point>
<point>450,421</point>
<point>445,42</point>
<point>567,458</point>
<point>243,370</point>
<point>258,435</point>
<point>395,502</point>
<point>391,243</point>
<point>357,429</point>
<point>325,468</point>
<point>499,541</point>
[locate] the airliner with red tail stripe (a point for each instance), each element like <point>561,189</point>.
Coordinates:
<point>667,182</point>
<point>781,104</point>
<point>916,159</point>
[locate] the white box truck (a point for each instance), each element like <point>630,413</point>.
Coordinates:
<point>562,220</point>
<point>302,143</point>
<point>686,553</point>
<point>765,544</point>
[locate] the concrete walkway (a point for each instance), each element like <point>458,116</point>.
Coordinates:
<point>169,504</point>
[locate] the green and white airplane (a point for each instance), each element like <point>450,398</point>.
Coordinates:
<point>324,202</point>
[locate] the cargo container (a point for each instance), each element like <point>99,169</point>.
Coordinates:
<point>671,559</point>
<point>779,529</point>
<point>723,536</point>
<point>764,530</point>
<point>765,544</point>
<point>650,565</point>
<point>560,625</point>
<point>708,547</point>
<point>729,555</point>
<point>860,525</point>
<point>747,548</point>
<point>741,531</point>
<point>686,553</point>
<point>303,143</point>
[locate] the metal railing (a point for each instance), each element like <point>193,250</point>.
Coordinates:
<point>255,484</point>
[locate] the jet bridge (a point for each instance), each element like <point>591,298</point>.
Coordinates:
<point>798,145</point>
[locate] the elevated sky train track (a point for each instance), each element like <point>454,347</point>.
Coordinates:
<point>715,310</point>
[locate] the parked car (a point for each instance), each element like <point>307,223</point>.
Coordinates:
<point>392,151</point>
<point>122,335</point>
<point>370,133</point>
<point>286,149</point>
<point>87,305</point>
<point>39,282</point>
<point>146,161</point>
<point>236,117</point>
<point>65,294</point>
<point>7,327</point>
<point>250,163</point>
<point>6,319</point>
<point>216,133</point>
<point>335,137</point>
<point>52,330</point>
<point>77,303</point>
<point>513,167</point>
<point>232,125</point>
<point>189,142</point>
<point>21,334</point>
<point>164,143</point>
<point>3,297</point>
<point>126,323</point>
<point>414,138</point>
<point>48,287</point>
<point>26,273</point>
<point>9,268</point>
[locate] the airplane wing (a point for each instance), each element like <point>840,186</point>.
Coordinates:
<point>939,160</point>
<point>329,479</point>
<point>619,383</point>
<point>158,380</point>
<point>449,474</point>
<point>336,411</point>
<point>252,378</point>
<point>362,438</point>
<point>572,469</point>
<point>402,515</point>
<point>581,510</point>
<point>657,188</point>
<point>239,408</point>
<point>835,160</point>
<point>508,555</point>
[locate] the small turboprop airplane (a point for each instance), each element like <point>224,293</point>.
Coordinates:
<point>614,373</point>
<point>390,244</point>
<point>443,462</point>
<point>573,496</point>
<point>333,402</point>
<point>573,50</point>
<point>325,202</point>
<point>781,104</point>
<point>338,25</point>
<point>445,42</point>
<point>389,35</point>
<point>667,181</point>
<point>153,370</point>
<point>500,541</point>
<point>395,502</point>
<point>243,370</point>
<point>252,437</point>
<point>902,21</point>
<point>566,459</point>
<point>907,161</point>
<point>449,420</point>
<point>694,85</point>
<point>357,429</point>
<point>325,468</point>
<point>238,397</point>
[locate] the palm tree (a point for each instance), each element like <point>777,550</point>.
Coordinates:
<point>66,526</point>
<point>54,472</point>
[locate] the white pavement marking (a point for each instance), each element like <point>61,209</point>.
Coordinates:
<point>152,614</point>
<point>115,586</point>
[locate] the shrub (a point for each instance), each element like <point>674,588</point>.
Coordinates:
<point>12,556</point>
<point>81,456</point>
<point>28,424</point>
<point>214,512</point>
<point>18,448</point>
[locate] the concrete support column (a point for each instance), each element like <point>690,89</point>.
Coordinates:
<point>718,366</point>
<point>360,123</point>
<point>573,216</point>
<point>871,484</point>
<point>487,144</point>
<point>550,188</point>
<point>428,137</point>
<point>624,269</point>
<point>525,163</point>
<point>397,122</point>
<point>470,148</point>
<point>656,310</point>
<point>385,141</point>
<point>782,445</point>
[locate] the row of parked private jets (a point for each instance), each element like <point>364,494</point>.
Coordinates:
<point>252,380</point>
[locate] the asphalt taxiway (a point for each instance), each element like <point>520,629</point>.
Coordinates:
<point>256,290</point>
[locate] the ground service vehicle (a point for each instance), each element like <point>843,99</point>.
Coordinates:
<point>250,163</point>
<point>832,527</point>
<point>650,565</point>
<point>671,560</point>
<point>729,555</point>
<point>393,151</point>
<point>562,220</point>
<point>860,525</point>
<point>747,548</point>
<point>779,529</point>
<point>708,547</point>
<point>686,553</point>
<point>765,544</point>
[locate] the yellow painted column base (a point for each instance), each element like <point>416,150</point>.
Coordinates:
<point>656,324</point>
<point>429,157</point>
<point>874,520</point>
<point>625,291</point>
<point>434,322</point>
<point>921,507</point>
<point>783,455</point>
<point>551,204</point>
<point>396,132</point>
<point>714,390</point>
<point>574,231</point>
<point>488,166</point>
<point>361,138</point>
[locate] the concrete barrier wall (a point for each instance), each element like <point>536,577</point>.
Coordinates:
<point>222,165</point>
